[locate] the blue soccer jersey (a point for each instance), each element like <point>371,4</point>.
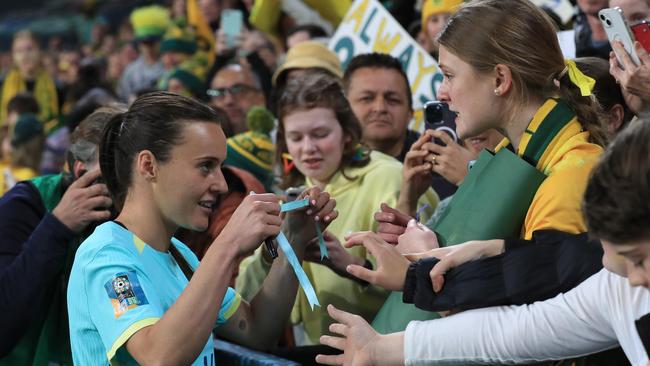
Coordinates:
<point>119,285</point>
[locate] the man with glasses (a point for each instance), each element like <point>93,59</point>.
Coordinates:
<point>236,90</point>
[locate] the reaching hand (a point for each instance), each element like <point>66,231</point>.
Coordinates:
<point>392,223</point>
<point>416,175</point>
<point>416,239</point>
<point>391,265</point>
<point>339,258</point>
<point>84,202</point>
<point>356,339</point>
<point>456,255</point>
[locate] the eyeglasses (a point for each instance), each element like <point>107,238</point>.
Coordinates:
<point>235,90</point>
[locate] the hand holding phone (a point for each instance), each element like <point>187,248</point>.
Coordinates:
<point>617,31</point>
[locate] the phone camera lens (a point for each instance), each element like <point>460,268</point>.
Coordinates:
<point>608,22</point>
<point>602,17</point>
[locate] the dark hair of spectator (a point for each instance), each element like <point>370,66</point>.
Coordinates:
<point>153,122</point>
<point>617,196</point>
<point>606,90</point>
<point>86,137</point>
<point>377,61</point>
<point>309,91</point>
<point>521,36</point>
<point>23,103</point>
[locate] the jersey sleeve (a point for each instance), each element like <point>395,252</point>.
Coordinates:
<point>229,305</point>
<point>121,297</point>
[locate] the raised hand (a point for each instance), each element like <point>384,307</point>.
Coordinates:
<point>356,339</point>
<point>391,265</point>
<point>84,202</point>
<point>416,239</point>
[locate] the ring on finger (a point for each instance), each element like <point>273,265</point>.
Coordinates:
<point>433,159</point>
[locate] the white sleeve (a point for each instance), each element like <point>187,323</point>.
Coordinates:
<point>570,325</point>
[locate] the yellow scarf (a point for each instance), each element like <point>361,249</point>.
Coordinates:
<point>44,92</point>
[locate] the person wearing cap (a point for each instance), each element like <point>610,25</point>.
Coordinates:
<point>22,149</point>
<point>177,46</point>
<point>236,89</point>
<point>304,57</point>
<point>435,14</point>
<point>149,24</point>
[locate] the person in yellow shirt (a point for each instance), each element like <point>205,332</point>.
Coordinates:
<point>318,144</point>
<point>29,76</point>
<point>22,149</point>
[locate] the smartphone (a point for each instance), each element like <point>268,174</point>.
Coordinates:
<point>437,116</point>
<point>617,30</point>
<point>232,21</point>
<point>641,33</point>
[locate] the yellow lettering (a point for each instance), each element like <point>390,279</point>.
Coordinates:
<point>383,42</point>
<point>422,71</point>
<point>357,15</point>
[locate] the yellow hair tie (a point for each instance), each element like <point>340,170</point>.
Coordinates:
<point>577,77</point>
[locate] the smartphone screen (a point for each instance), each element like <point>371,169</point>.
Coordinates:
<point>641,33</point>
<point>231,25</point>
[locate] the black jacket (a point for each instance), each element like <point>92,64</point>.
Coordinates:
<point>551,263</point>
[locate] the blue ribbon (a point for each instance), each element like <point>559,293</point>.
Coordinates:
<point>321,243</point>
<point>306,285</point>
<point>294,205</point>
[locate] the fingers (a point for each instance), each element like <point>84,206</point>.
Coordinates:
<point>615,67</point>
<point>444,137</point>
<point>432,147</point>
<point>391,239</point>
<point>97,190</point>
<point>644,57</point>
<point>361,273</point>
<point>338,328</point>
<point>324,213</point>
<point>98,202</point>
<point>437,272</point>
<point>330,359</point>
<point>623,55</point>
<point>336,342</point>
<point>270,208</point>
<point>366,239</point>
<point>437,253</point>
<point>388,228</point>
<point>424,138</point>
<point>341,316</point>
<point>400,218</point>
<point>412,224</point>
<point>87,179</point>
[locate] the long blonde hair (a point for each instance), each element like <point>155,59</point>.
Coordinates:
<point>516,33</point>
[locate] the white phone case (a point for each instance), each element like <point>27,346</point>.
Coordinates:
<point>617,30</point>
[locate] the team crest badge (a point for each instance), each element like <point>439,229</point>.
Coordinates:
<point>125,293</point>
